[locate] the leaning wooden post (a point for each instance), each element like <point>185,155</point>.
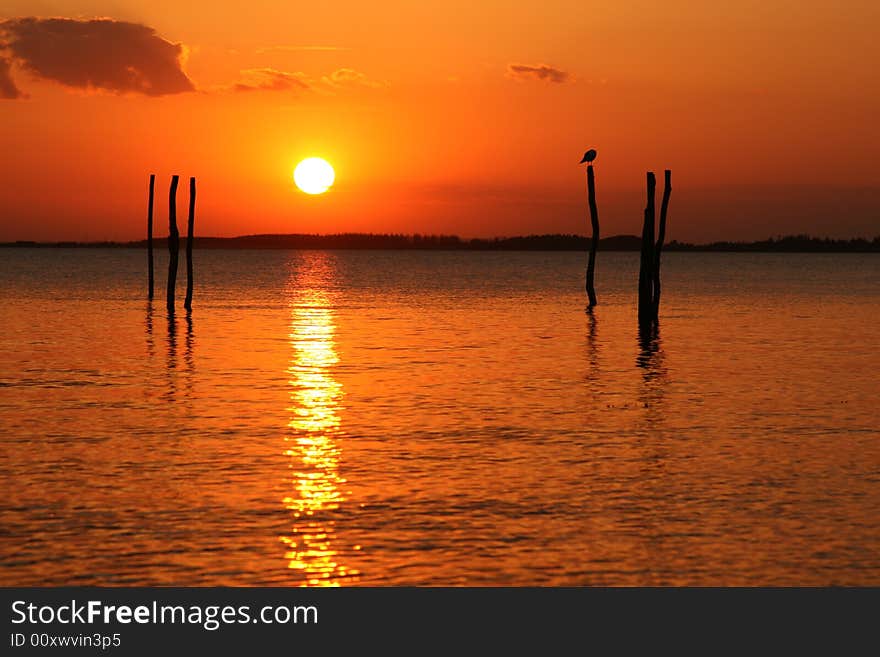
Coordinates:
<point>594,242</point>
<point>173,244</point>
<point>661,237</point>
<point>189,244</point>
<point>646,266</point>
<point>150,238</point>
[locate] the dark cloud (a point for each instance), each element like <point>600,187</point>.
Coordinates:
<point>270,79</point>
<point>96,54</point>
<point>539,72</point>
<point>8,89</point>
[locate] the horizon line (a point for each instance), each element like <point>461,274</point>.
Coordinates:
<point>441,241</point>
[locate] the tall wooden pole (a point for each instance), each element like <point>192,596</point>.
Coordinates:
<point>173,244</point>
<point>189,244</point>
<point>150,238</point>
<point>646,265</point>
<point>661,238</point>
<point>594,243</point>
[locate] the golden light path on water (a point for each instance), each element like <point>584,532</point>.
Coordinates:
<point>314,429</point>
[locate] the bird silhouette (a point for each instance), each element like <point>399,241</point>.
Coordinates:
<point>589,156</point>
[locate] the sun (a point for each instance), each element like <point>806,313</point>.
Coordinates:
<point>314,175</point>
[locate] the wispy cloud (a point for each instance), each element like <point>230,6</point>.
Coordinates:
<point>270,79</point>
<point>348,77</point>
<point>269,49</point>
<point>538,72</point>
<point>100,54</point>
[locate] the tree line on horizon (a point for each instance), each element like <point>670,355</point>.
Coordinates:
<point>548,242</point>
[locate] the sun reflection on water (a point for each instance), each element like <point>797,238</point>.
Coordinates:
<point>314,432</point>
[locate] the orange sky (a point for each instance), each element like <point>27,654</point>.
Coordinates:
<point>765,111</point>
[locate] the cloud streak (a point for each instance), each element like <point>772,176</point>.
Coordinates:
<point>99,54</point>
<point>270,49</point>
<point>539,72</point>
<point>270,79</point>
<point>348,77</point>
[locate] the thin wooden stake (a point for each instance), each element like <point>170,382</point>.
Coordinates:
<point>189,244</point>
<point>594,243</point>
<point>661,238</point>
<point>150,237</point>
<point>646,266</point>
<point>173,244</point>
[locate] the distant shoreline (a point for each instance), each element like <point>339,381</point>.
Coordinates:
<point>368,241</point>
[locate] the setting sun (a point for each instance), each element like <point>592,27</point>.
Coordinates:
<point>314,175</point>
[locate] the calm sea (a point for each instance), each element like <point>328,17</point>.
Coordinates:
<point>427,418</point>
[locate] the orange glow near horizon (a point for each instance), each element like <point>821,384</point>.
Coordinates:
<point>456,118</point>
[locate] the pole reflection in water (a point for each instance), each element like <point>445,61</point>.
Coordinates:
<point>171,361</point>
<point>151,347</point>
<point>593,374</point>
<point>314,430</point>
<point>651,361</point>
<point>650,357</point>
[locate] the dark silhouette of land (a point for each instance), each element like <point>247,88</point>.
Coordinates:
<point>787,244</point>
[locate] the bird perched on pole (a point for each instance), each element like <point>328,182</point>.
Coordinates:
<point>589,156</point>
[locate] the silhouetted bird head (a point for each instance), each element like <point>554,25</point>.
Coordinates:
<point>589,156</point>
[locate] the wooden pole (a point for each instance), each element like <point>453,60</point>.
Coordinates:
<point>661,238</point>
<point>150,238</point>
<point>646,266</point>
<point>189,244</point>
<point>173,244</point>
<point>594,243</point>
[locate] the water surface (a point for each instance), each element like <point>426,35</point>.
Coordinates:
<point>389,418</point>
